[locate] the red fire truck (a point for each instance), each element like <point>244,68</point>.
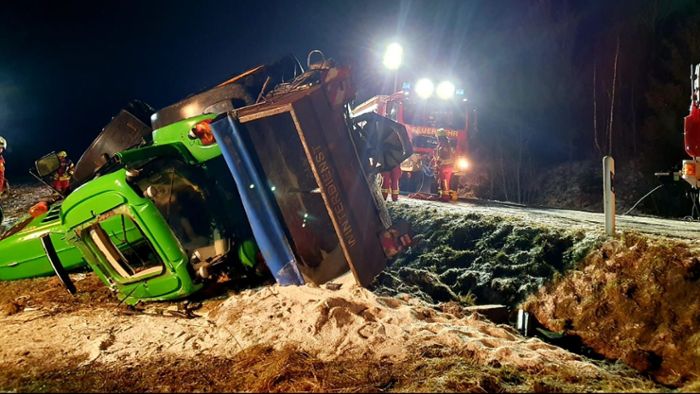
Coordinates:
<point>423,113</point>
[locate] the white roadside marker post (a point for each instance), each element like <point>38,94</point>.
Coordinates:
<point>609,194</point>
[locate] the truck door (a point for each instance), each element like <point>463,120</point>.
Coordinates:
<point>126,241</point>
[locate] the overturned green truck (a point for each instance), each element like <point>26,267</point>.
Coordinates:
<point>267,171</point>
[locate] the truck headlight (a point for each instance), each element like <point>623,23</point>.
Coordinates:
<point>445,90</point>
<point>424,88</point>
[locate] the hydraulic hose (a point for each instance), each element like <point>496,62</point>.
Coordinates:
<point>643,197</point>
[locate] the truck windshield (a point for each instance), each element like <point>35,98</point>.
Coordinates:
<point>180,193</point>
<point>446,114</point>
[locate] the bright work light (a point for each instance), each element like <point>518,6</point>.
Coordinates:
<point>445,90</point>
<point>393,56</point>
<point>424,88</point>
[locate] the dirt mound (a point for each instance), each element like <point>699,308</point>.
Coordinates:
<point>353,322</point>
<point>634,299</point>
<point>478,258</point>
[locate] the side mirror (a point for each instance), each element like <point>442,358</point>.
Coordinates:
<point>47,165</point>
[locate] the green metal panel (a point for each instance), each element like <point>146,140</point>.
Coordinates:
<point>22,255</point>
<point>177,133</point>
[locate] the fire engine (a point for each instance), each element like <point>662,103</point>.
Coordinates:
<point>423,108</point>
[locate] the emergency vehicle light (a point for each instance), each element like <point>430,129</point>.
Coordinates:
<point>689,169</point>
<point>393,56</point>
<point>424,88</point>
<point>445,90</point>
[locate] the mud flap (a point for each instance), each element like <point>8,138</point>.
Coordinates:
<point>56,264</point>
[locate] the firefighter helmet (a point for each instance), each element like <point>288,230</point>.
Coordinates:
<point>3,143</point>
<point>62,154</point>
<point>441,132</point>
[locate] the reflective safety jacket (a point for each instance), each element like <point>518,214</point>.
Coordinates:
<point>65,170</point>
<point>444,155</point>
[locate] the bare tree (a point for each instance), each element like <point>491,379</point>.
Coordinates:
<point>518,185</point>
<point>503,171</point>
<point>612,98</point>
<point>634,122</point>
<point>595,112</point>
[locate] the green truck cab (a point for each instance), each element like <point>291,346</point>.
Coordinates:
<point>146,227</point>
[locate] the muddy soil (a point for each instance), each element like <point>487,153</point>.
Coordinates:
<point>264,369</point>
<point>50,295</point>
<point>635,299</point>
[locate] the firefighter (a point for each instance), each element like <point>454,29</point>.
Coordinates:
<point>390,185</point>
<point>61,178</point>
<point>444,159</point>
<point>4,186</point>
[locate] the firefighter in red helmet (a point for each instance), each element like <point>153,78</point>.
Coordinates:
<point>61,180</point>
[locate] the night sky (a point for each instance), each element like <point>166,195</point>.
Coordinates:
<point>66,68</point>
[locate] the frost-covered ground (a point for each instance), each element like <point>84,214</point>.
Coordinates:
<point>20,198</point>
<point>569,219</point>
<point>489,252</point>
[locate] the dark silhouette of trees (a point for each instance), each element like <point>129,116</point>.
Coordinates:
<point>587,79</point>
